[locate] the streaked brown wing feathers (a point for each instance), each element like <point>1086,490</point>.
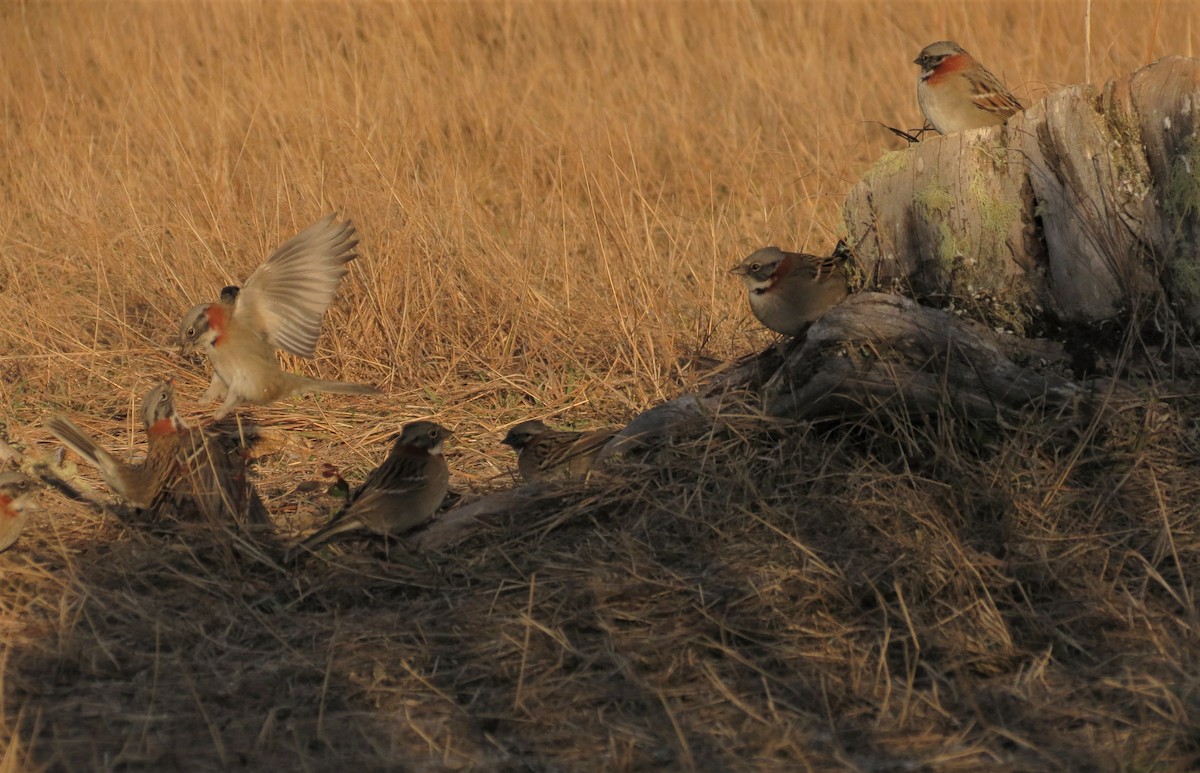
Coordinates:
<point>286,298</point>
<point>990,95</point>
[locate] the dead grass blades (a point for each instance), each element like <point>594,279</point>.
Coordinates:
<point>549,196</point>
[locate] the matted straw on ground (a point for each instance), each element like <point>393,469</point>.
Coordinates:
<point>548,197</point>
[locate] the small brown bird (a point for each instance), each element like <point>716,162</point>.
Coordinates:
<point>547,454</point>
<point>210,480</point>
<point>790,290</point>
<point>400,494</point>
<point>185,469</point>
<point>957,93</point>
<point>281,306</point>
<point>17,494</point>
<point>136,484</point>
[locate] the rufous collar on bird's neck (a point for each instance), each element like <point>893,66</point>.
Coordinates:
<point>218,320</point>
<point>162,428</point>
<point>947,67</point>
<point>782,269</point>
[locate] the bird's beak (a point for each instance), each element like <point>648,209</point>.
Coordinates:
<point>738,270</point>
<point>185,349</point>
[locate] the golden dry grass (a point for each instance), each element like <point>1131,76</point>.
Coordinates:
<point>548,198</point>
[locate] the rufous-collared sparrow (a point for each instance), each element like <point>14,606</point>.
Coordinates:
<point>400,494</point>
<point>17,502</point>
<point>547,454</point>
<point>137,484</point>
<point>956,92</point>
<point>280,307</point>
<point>185,469</point>
<point>210,478</point>
<point>791,290</point>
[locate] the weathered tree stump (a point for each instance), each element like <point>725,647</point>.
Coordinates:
<point>1085,203</point>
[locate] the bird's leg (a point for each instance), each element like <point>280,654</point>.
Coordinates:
<point>231,402</point>
<point>215,389</point>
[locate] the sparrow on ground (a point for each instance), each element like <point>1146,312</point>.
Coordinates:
<point>956,92</point>
<point>790,290</point>
<point>185,469</point>
<point>137,484</point>
<point>400,494</point>
<point>547,454</point>
<point>210,479</point>
<point>280,306</point>
<point>17,494</point>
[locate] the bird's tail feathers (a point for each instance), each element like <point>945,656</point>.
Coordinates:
<point>77,440</point>
<point>115,474</point>
<point>340,525</point>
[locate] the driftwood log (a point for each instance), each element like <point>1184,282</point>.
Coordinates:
<point>1079,210</point>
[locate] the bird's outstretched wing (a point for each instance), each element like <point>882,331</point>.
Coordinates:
<point>286,297</point>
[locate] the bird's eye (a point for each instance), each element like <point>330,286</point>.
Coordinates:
<point>191,331</point>
<point>755,266</point>
<point>433,433</point>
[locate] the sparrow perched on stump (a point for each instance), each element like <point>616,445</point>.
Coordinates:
<point>791,290</point>
<point>956,92</point>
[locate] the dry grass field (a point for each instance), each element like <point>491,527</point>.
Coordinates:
<point>549,197</point>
